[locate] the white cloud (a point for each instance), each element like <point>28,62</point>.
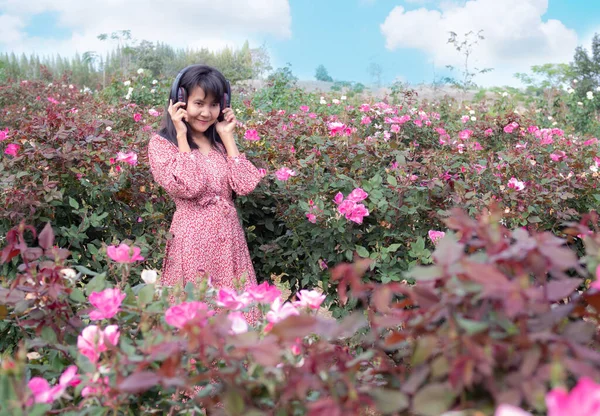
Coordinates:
<point>516,37</point>
<point>180,23</point>
<point>10,29</point>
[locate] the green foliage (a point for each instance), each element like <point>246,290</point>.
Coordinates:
<point>321,74</point>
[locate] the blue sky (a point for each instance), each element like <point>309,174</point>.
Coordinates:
<point>405,38</point>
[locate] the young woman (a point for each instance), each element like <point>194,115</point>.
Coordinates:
<point>194,157</point>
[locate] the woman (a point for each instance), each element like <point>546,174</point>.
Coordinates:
<point>194,157</point>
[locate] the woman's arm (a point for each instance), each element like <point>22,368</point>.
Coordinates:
<point>175,170</point>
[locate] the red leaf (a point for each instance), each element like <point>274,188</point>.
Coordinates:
<point>560,289</point>
<point>139,382</point>
<point>46,238</point>
<point>295,326</point>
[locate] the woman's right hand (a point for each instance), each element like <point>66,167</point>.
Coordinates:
<point>178,115</point>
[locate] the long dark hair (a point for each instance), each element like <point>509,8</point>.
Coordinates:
<point>212,82</point>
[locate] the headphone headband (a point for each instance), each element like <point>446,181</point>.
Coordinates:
<point>225,102</point>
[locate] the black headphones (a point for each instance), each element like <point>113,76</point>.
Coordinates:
<point>180,94</point>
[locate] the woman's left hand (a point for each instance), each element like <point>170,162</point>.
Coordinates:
<point>226,126</point>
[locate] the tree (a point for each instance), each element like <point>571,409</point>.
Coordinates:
<point>261,62</point>
<point>375,71</point>
<point>465,47</point>
<point>586,67</point>
<point>321,74</point>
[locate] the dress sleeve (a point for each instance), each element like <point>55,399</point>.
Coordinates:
<point>178,172</point>
<point>243,175</point>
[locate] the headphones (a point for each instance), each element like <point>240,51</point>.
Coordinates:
<point>180,94</point>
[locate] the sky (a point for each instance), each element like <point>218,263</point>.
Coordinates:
<point>405,39</point>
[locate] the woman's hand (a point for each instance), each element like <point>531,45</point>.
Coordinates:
<point>226,127</point>
<point>178,115</point>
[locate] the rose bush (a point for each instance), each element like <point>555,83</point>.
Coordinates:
<point>501,318</point>
<point>78,158</point>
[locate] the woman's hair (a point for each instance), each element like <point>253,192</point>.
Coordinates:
<point>212,82</point>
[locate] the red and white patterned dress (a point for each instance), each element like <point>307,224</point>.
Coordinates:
<point>207,234</point>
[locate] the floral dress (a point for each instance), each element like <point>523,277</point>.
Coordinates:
<point>207,234</point>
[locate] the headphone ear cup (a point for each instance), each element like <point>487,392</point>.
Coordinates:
<point>182,95</point>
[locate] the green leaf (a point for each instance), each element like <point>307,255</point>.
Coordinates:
<point>425,273</point>
<point>393,248</point>
<point>85,270</point>
<point>77,295</point>
<point>233,403</point>
<point>433,400</point>
<point>49,335</point>
<point>363,252</point>
<point>470,326</point>
<point>392,180</point>
<point>97,284</point>
<point>39,410</point>
<point>389,401</point>
<point>73,203</point>
<point>146,295</point>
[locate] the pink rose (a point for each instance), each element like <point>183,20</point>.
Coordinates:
<point>153,112</point>
<point>358,213</point>
<point>3,134</point>
<point>310,299</point>
<point>12,149</point>
<point>229,299</point>
<point>346,206</point>
<point>311,217</point>
<point>179,315</point>
<point>279,311</point>
<point>515,184</point>
<point>304,108</point>
<point>284,174</point>
<point>107,303</point>
<point>339,197</point>
<point>43,393</point>
<point>238,322</point>
<point>435,236</point>
<point>264,293</point>
<point>251,135</point>
<point>358,195</point>
<point>509,410</point>
<point>137,117</point>
<point>130,158</point>
<point>584,399</point>
<point>121,253</point>
<point>92,340</point>
<point>465,134</point>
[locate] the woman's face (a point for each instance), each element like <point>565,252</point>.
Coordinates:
<point>202,110</point>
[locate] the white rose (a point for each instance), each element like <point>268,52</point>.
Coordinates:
<point>69,273</point>
<point>127,83</point>
<point>154,82</point>
<point>149,276</point>
<point>140,71</point>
